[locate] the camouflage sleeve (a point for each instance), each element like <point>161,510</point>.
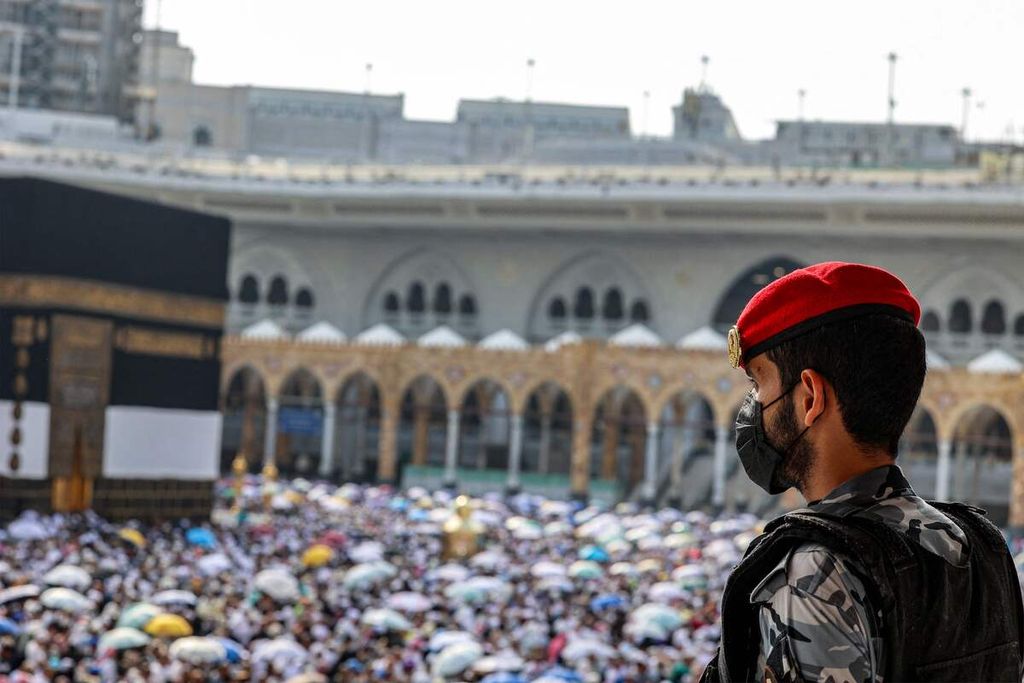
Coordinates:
<point>815,621</point>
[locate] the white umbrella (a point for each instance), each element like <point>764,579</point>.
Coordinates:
<point>557,528</point>
<point>122,638</point>
<point>585,569</point>
<point>663,616</point>
<point>546,568</point>
<point>456,658</point>
<point>503,661</point>
<point>445,638</point>
<point>198,650</point>
<point>665,591</point>
<point>556,583</point>
<point>211,565</point>
<point>278,584</point>
<point>528,532</point>
<point>622,568</point>
<point>579,648</point>
<point>489,560</point>
<point>282,650</point>
<point>451,572</point>
<point>19,593</point>
<point>370,551</point>
<point>409,602</point>
<point>69,576</point>
<point>174,597</point>
<point>27,529</point>
<point>385,619</point>
<point>369,574</point>
<point>647,630</point>
<point>65,599</point>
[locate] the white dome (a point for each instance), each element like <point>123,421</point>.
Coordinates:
<point>934,361</point>
<point>380,335</point>
<point>995,361</point>
<point>322,333</point>
<point>635,335</point>
<point>704,339</point>
<point>264,329</point>
<point>504,340</point>
<point>442,336</point>
<point>567,337</point>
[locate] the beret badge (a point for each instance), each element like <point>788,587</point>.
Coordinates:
<point>735,349</point>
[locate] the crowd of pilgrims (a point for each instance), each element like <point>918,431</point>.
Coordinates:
<point>310,582</point>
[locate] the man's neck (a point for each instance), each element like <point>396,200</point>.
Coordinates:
<point>831,473</point>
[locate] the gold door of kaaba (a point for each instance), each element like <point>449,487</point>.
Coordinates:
<point>80,358</point>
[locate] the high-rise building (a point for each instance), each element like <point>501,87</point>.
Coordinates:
<point>71,55</point>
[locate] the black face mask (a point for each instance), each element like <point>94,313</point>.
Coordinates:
<point>762,462</point>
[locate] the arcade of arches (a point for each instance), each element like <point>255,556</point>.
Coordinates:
<point>642,422</point>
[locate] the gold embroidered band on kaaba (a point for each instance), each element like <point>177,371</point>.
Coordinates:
<point>44,291</point>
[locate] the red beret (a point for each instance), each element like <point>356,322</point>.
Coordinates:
<point>811,297</point>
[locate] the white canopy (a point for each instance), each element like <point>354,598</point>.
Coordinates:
<point>637,334</point>
<point>264,329</point>
<point>995,361</point>
<point>504,340</point>
<point>442,336</point>
<point>704,339</point>
<point>567,337</point>
<point>322,333</point>
<point>934,360</point>
<point>379,335</point>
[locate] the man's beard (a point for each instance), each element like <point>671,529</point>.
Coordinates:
<point>786,433</point>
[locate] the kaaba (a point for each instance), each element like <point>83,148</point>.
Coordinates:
<point>111,318</point>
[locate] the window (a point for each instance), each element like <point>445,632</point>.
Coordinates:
<point>416,302</point>
<point>639,313</point>
<point>202,137</point>
<point>960,317</point>
<point>1018,326</point>
<point>930,321</point>
<point>443,298</point>
<point>391,303</point>
<point>249,292</point>
<point>584,308</point>
<point>613,304</point>
<point>556,309</point>
<point>278,294</point>
<point>304,299</point>
<point>993,319</point>
<point>467,305</point>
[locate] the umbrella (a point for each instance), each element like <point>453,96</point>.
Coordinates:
<point>650,565</point>
<point>234,650</point>
<point>528,532</point>
<point>385,620</point>
<point>680,540</point>
<point>133,536</point>
<point>317,556</point>
<point>603,602</point>
<point>281,650</point>
<point>559,674</point>
<point>410,602</point>
<point>278,584</point>
<point>451,572</point>
<point>557,528</point>
<point>174,597</point>
<point>501,662</point>
<point>663,616</point>
<point>65,599</point>
<point>555,583</point>
<point>216,563</point>
<point>138,615</point>
<point>647,630</point>
<point>69,576</point>
<point>198,650</point>
<point>19,593</point>
<point>370,551</point>
<point>665,591</point>
<point>168,626</point>
<point>479,589</point>
<point>332,539</point>
<point>489,560</point>
<point>8,627</point>
<point>365,575</point>
<point>456,658</point>
<point>585,569</point>
<point>546,568</point>
<point>690,576</point>
<point>203,538</point>
<point>27,529</point>
<point>445,638</point>
<point>309,677</point>
<point>593,553</point>
<point>122,638</point>
<point>501,676</point>
<point>579,648</point>
<point>622,568</point>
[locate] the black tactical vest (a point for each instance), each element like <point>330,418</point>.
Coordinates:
<point>938,622</point>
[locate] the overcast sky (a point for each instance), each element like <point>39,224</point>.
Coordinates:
<point>599,52</point>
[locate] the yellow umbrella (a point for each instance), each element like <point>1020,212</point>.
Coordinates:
<point>132,536</point>
<point>317,556</point>
<point>168,626</point>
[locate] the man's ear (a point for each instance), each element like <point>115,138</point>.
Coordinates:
<point>815,388</point>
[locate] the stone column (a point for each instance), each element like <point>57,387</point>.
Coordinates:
<point>1017,488</point>
<point>651,463</point>
<point>609,447</point>
<point>544,456</point>
<point>451,449</point>
<point>579,468</point>
<point>421,435</point>
<point>387,445</point>
<point>327,441</point>
<point>515,451</point>
<point>270,435</point>
<point>722,434</point>
<point>942,469</point>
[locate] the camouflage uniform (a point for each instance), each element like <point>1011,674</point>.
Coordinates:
<point>816,621</point>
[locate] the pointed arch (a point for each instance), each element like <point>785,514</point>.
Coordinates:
<point>746,285</point>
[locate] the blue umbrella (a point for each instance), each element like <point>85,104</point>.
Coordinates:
<point>560,673</point>
<point>503,677</point>
<point>605,601</point>
<point>203,538</point>
<point>418,515</point>
<point>593,553</point>
<point>8,627</point>
<point>236,652</point>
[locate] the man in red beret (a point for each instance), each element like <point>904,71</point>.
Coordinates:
<point>869,582</point>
